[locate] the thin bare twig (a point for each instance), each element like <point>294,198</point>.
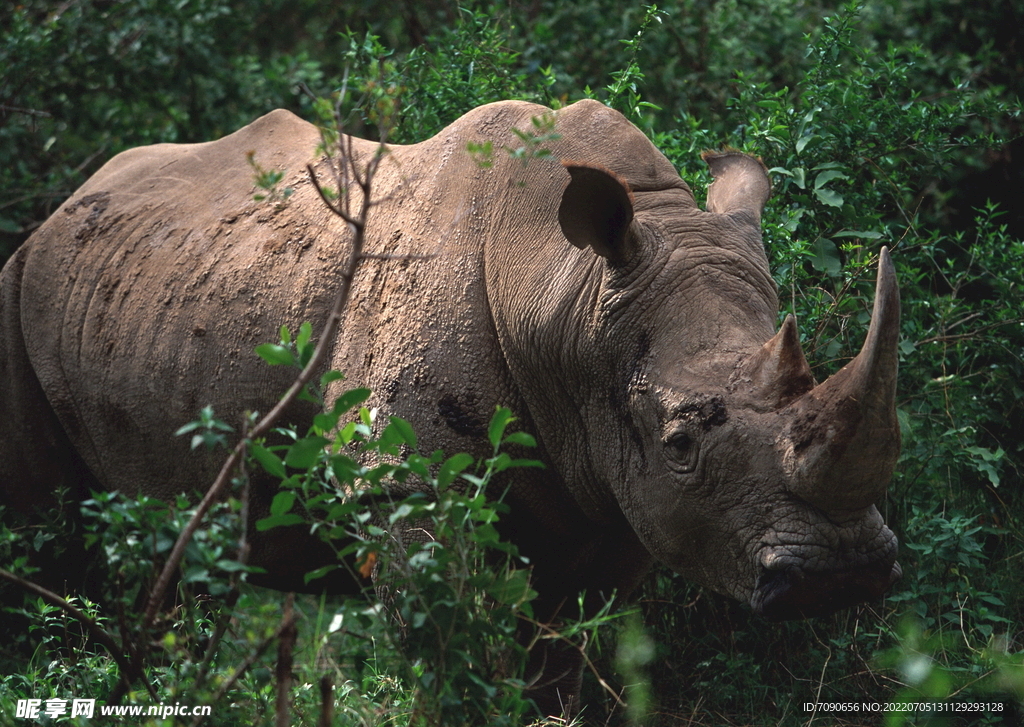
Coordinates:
<point>949,338</point>
<point>551,633</point>
<point>821,683</point>
<point>27,112</point>
<point>285,649</point>
<point>233,594</point>
<point>326,702</point>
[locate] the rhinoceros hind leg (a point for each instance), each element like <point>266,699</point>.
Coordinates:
<point>37,459</point>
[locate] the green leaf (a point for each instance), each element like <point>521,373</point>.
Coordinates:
<point>347,432</point>
<point>794,219</point>
<point>501,419</point>
<point>319,573</point>
<point>803,141</point>
<point>863,234</point>
<point>275,354</point>
<point>825,177</point>
<point>344,468</point>
<point>827,196</point>
<point>305,331</point>
<point>219,425</point>
<point>401,512</point>
<point>452,468</point>
<point>535,463</point>
<point>513,589</point>
<point>303,345</point>
<point>826,256</point>
<point>523,439</point>
<point>282,502</point>
<point>990,598</point>
<point>331,376</point>
<point>485,534</point>
<point>276,521</point>
<point>305,453</point>
<point>190,427</point>
<point>268,460</point>
<point>230,566</point>
<point>325,422</point>
<point>987,454</point>
<point>350,399</point>
<point>404,428</point>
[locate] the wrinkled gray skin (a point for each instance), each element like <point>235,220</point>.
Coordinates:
<point>632,333</point>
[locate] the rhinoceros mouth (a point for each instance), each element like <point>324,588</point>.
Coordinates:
<point>793,592</point>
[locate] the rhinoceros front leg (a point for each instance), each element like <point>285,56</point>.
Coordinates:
<point>554,674</point>
<point>582,571</point>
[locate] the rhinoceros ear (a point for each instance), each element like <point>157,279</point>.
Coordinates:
<point>596,210</point>
<point>741,183</point>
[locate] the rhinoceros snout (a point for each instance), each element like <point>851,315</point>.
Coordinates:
<point>794,593</point>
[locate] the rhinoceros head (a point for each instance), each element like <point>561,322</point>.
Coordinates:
<point>733,466</point>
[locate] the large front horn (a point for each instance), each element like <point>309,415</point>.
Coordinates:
<point>843,438</point>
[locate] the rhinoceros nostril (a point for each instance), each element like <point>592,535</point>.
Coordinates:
<point>799,593</point>
<point>771,587</point>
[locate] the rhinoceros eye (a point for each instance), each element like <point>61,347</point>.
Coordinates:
<point>681,450</point>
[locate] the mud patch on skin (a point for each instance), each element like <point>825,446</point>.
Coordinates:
<point>390,391</point>
<point>709,412</point>
<point>98,203</point>
<point>458,419</point>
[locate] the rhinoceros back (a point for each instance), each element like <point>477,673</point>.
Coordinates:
<point>141,300</point>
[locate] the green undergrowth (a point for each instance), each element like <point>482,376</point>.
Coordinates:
<point>433,641</point>
<point>868,118</point>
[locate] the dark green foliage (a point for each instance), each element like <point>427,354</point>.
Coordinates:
<point>887,123</point>
<point>453,604</point>
<point>82,81</point>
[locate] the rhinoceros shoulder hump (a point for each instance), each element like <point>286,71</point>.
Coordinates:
<point>596,134</point>
<point>278,140</point>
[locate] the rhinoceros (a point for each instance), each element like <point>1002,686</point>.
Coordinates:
<point>632,333</point>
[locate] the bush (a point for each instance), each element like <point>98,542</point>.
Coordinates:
<point>873,118</point>
<point>455,603</point>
